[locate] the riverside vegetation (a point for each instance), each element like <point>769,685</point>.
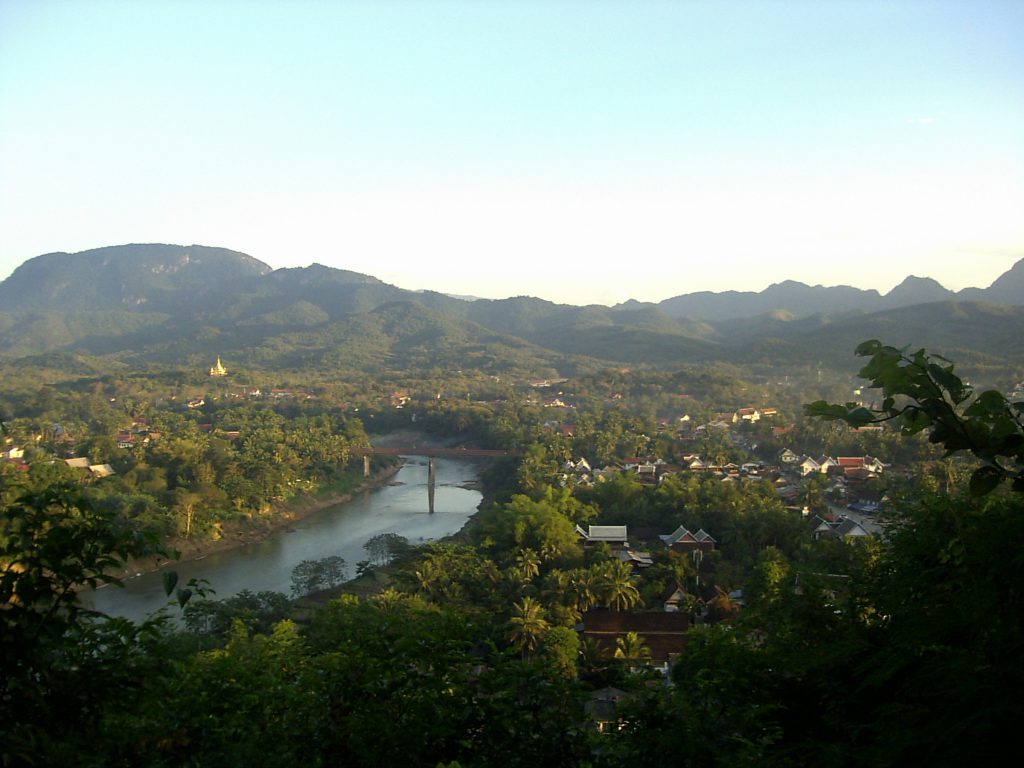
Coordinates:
<point>900,650</point>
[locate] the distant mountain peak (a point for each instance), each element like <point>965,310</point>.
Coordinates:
<point>317,272</point>
<point>155,275</point>
<point>916,290</point>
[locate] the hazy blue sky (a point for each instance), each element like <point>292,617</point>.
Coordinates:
<point>583,152</point>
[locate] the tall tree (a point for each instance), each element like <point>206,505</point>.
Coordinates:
<point>527,625</point>
<point>616,586</point>
<point>631,647</point>
<point>59,658</point>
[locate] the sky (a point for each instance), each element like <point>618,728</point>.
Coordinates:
<point>580,151</point>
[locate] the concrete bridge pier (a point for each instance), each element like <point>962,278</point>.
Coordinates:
<point>431,480</point>
<point>366,465</point>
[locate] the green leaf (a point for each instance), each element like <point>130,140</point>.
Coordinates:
<point>850,413</point>
<point>866,348</point>
<point>170,582</point>
<point>949,381</point>
<point>184,595</point>
<point>860,416</point>
<point>989,402</point>
<point>984,480</point>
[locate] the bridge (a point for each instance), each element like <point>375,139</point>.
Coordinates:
<point>431,454</point>
<point>451,453</point>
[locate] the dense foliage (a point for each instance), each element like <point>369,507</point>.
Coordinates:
<point>893,650</point>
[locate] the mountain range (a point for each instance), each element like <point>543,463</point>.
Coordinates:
<point>180,304</point>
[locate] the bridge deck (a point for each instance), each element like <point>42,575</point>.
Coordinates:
<point>440,452</point>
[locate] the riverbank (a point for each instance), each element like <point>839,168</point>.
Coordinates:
<point>234,535</point>
<point>397,506</point>
<point>240,534</point>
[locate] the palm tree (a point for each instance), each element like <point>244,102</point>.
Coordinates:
<point>632,647</point>
<point>527,625</point>
<point>616,586</point>
<point>528,564</point>
<point>584,589</point>
<point>389,599</point>
<point>722,607</point>
<point>592,658</point>
<point>555,587</point>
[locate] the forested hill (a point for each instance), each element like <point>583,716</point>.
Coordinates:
<point>181,304</point>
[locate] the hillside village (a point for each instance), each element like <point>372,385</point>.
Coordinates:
<point>605,385</point>
<point>833,497</point>
<point>635,524</point>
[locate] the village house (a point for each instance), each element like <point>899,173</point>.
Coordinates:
<point>664,633</point>
<point>869,428</point>
<point>867,502</point>
<point>681,540</point>
<point>636,462</point>
<point>635,558</point>
<point>721,421</point>
<point>808,466</point>
<point>667,470</point>
<point>288,394</point>
<point>844,529</point>
<point>788,457</point>
<point>579,470</point>
<point>12,453</point>
<point>602,708</point>
<point>677,599</point>
<point>695,464</point>
<point>645,469</point>
<point>826,464</point>
<point>869,463</point>
<point>612,535</point>
<point>600,474</point>
<point>581,466</point>
<point>750,415</point>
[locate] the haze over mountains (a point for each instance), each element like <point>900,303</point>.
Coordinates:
<point>167,303</point>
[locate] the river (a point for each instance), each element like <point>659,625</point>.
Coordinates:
<point>399,507</point>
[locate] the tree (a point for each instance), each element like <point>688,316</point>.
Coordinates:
<point>722,607</point>
<point>257,611</point>
<point>813,492</point>
<point>314,575</point>
<point>454,573</point>
<point>527,625</point>
<point>528,524</point>
<point>57,657</point>
<point>921,392</point>
<point>527,564</point>
<point>939,610</point>
<point>631,647</point>
<point>185,509</point>
<point>385,547</point>
<point>584,589</point>
<point>616,587</point>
